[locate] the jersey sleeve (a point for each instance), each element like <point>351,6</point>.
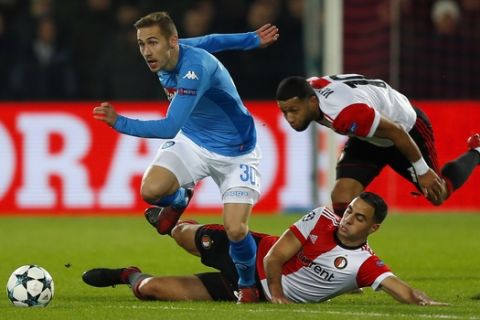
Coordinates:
<point>194,81</point>
<point>372,272</point>
<point>222,42</point>
<point>303,227</point>
<point>357,119</point>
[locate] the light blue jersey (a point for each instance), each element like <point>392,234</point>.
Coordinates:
<point>204,102</point>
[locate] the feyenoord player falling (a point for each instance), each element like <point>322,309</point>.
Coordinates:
<point>383,129</point>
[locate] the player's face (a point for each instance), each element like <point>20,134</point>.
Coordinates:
<point>159,52</point>
<point>357,223</point>
<point>299,112</point>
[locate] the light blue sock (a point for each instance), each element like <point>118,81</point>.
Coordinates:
<point>176,199</point>
<point>243,254</point>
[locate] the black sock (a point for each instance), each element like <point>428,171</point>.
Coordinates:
<point>135,279</point>
<point>458,170</point>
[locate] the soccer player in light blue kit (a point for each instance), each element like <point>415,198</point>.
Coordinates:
<point>211,134</point>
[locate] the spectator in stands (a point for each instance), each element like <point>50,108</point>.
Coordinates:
<point>471,29</point>
<point>120,72</point>
<point>44,70</point>
<point>449,46</point>
<point>92,27</point>
<point>250,68</point>
<point>197,20</point>
<point>446,17</point>
<point>24,25</point>
<point>291,24</point>
<point>438,55</point>
<point>367,38</point>
<point>6,45</point>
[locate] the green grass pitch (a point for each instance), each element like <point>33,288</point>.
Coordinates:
<point>437,253</point>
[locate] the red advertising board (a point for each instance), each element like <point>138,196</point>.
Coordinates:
<point>55,158</point>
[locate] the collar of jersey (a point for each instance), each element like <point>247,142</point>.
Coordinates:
<point>344,246</point>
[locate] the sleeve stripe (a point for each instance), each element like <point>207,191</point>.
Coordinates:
<point>376,284</point>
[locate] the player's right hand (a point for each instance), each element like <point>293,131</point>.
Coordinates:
<point>106,113</point>
<point>433,187</point>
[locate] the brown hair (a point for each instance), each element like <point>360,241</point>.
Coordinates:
<point>377,203</point>
<point>160,19</point>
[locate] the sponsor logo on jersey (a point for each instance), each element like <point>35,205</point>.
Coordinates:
<point>313,238</point>
<point>190,75</point>
<point>187,92</point>
<point>323,274</point>
<point>168,144</point>
<point>206,242</point>
<point>340,262</point>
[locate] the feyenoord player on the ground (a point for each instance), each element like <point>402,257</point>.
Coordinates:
<point>317,258</point>
<point>383,129</point>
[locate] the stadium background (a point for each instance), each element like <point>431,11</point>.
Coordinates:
<point>60,58</point>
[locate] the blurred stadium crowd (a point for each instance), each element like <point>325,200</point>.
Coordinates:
<point>86,49</point>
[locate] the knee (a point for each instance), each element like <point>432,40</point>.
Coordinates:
<point>178,233</point>
<point>149,193</point>
<point>236,232</point>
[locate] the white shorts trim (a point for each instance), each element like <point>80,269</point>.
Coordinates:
<point>240,195</point>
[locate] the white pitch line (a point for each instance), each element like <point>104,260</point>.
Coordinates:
<point>347,313</point>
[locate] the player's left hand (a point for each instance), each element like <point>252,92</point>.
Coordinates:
<point>280,300</point>
<point>268,34</point>
<point>432,187</point>
<point>424,300</point>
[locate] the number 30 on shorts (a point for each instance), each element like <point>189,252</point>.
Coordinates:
<point>248,174</point>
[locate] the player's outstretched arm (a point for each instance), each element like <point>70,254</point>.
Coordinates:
<point>260,38</point>
<point>286,247</point>
<point>402,292</point>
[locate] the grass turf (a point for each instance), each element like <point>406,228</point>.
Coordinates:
<point>438,254</point>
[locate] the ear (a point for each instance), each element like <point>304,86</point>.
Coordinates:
<point>373,228</point>
<point>173,42</point>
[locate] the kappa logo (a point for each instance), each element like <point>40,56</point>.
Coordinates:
<point>190,75</point>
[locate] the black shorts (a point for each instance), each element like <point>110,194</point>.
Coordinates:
<point>213,244</point>
<point>363,161</point>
